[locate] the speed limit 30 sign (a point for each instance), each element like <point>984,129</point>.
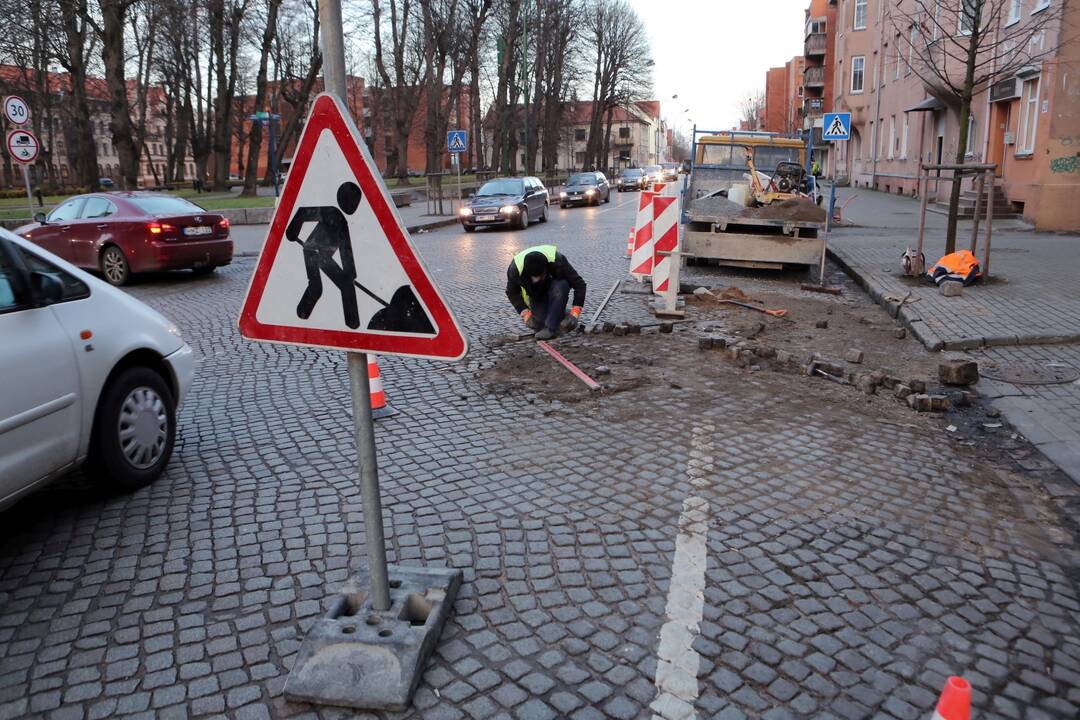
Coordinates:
<point>16,110</point>
<point>23,146</point>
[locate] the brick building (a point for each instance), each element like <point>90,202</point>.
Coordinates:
<point>818,50</point>
<point>1025,123</point>
<point>53,122</point>
<point>784,97</point>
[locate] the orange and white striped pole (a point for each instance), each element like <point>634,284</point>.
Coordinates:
<point>666,233</point>
<point>379,408</point>
<point>641,257</point>
<point>630,245</point>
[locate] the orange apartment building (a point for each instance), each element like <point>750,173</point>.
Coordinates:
<point>784,97</point>
<point>1028,123</point>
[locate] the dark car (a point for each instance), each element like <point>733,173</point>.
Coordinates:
<point>632,179</point>
<point>511,202</point>
<point>589,188</point>
<point>122,233</point>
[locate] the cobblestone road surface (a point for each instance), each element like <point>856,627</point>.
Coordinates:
<point>843,564</point>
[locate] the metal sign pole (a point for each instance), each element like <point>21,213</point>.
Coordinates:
<point>29,195</point>
<point>333,46</point>
<point>272,150</point>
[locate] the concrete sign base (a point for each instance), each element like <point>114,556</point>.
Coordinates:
<point>359,658</point>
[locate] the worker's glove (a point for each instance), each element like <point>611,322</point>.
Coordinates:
<point>530,322</point>
<point>576,311</point>
<point>571,320</point>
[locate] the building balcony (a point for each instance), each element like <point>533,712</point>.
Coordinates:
<point>813,107</point>
<point>814,77</point>
<point>815,45</point>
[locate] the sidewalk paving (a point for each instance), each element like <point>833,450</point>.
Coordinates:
<point>1027,315</point>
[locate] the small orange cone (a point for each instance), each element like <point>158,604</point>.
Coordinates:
<point>379,408</point>
<point>630,245</point>
<point>955,701</point>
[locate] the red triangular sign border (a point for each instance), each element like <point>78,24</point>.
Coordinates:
<point>328,113</point>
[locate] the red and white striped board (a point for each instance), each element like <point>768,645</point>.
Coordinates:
<point>641,258</point>
<point>665,228</point>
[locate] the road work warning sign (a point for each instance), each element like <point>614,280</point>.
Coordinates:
<point>337,269</point>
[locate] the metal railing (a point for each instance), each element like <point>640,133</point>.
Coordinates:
<point>815,44</point>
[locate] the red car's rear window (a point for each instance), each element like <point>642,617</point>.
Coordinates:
<point>165,205</point>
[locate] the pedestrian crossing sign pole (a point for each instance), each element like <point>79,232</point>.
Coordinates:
<point>457,142</point>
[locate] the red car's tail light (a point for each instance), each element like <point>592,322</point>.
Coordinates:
<point>156,228</point>
<point>223,223</point>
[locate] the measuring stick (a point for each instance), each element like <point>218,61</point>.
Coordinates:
<point>593,385</point>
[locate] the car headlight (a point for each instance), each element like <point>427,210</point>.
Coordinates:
<point>508,209</point>
<point>562,194</point>
<point>175,332</point>
<point>590,191</point>
<point>465,211</point>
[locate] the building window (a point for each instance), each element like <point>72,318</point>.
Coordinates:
<point>1015,6</point>
<point>872,147</point>
<point>881,133</point>
<point>1040,5</point>
<point>1029,116</point>
<point>969,12</point>
<point>858,65</point>
<point>624,133</point>
<point>860,15</point>
<point>899,58</point>
<point>914,38</point>
<point>894,147</point>
<point>969,148</point>
<point>937,21</point>
<point>579,135</point>
<point>903,140</point>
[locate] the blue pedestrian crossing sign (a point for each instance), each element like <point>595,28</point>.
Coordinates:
<point>837,126</point>
<point>457,141</point>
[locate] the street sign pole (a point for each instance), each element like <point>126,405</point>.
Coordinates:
<point>333,47</point>
<point>29,195</point>
<point>270,148</point>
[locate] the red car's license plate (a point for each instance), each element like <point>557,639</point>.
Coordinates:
<point>198,230</point>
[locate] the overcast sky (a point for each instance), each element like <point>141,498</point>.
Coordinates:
<point>712,53</point>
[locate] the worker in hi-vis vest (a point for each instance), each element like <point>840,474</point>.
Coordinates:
<point>538,283</point>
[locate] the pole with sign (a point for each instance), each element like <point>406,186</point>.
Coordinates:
<point>457,143</point>
<point>836,127</point>
<point>267,120</point>
<point>23,145</point>
<point>336,221</point>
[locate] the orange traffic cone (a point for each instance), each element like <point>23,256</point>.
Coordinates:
<point>955,702</point>
<point>379,408</point>
<point>629,245</point>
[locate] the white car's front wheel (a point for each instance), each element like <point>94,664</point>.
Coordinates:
<point>134,430</point>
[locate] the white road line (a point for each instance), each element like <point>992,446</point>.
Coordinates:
<point>677,669</point>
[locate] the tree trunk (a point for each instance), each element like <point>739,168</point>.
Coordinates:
<point>112,56</point>
<point>73,16</point>
<point>965,113</point>
<point>255,138</point>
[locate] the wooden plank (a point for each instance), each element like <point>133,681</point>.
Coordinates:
<point>578,373</point>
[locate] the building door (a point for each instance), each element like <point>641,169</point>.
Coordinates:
<point>999,125</point>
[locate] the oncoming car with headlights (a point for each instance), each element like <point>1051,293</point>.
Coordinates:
<point>506,202</point>
<point>588,188</point>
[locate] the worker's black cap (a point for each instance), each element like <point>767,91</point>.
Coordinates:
<point>535,264</point>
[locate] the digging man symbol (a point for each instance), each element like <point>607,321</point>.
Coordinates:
<point>330,237</point>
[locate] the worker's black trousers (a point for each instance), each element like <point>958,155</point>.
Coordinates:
<point>314,262</point>
<point>550,309</point>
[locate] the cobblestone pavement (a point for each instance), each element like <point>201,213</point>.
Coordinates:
<point>843,562</point>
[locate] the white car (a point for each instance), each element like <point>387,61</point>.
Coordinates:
<point>88,374</point>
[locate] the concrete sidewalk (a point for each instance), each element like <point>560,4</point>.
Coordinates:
<point>1024,320</point>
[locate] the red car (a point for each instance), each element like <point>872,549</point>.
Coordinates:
<point>122,233</point>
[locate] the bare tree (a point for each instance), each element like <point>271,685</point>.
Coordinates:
<point>225,19</point>
<point>297,63</point>
<point>255,139</point>
<point>73,54</point>
<point>621,69</point>
<point>114,15</point>
<point>960,47</point>
<point>750,108</point>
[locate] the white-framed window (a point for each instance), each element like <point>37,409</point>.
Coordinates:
<point>893,147</point>
<point>899,58</point>
<point>872,145</point>
<point>903,139</point>
<point>860,15</point>
<point>936,33</point>
<point>969,9</point>
<point>882,147</point>
<point>1040,5</point>
<point>969,148</point>
<point>1029,116</point>
<point>858,72</point>
<point>876,80</point>
<point>1015,7</point>
<point>912,39</point>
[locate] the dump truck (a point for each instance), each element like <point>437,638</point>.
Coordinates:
<point>728,219</point>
